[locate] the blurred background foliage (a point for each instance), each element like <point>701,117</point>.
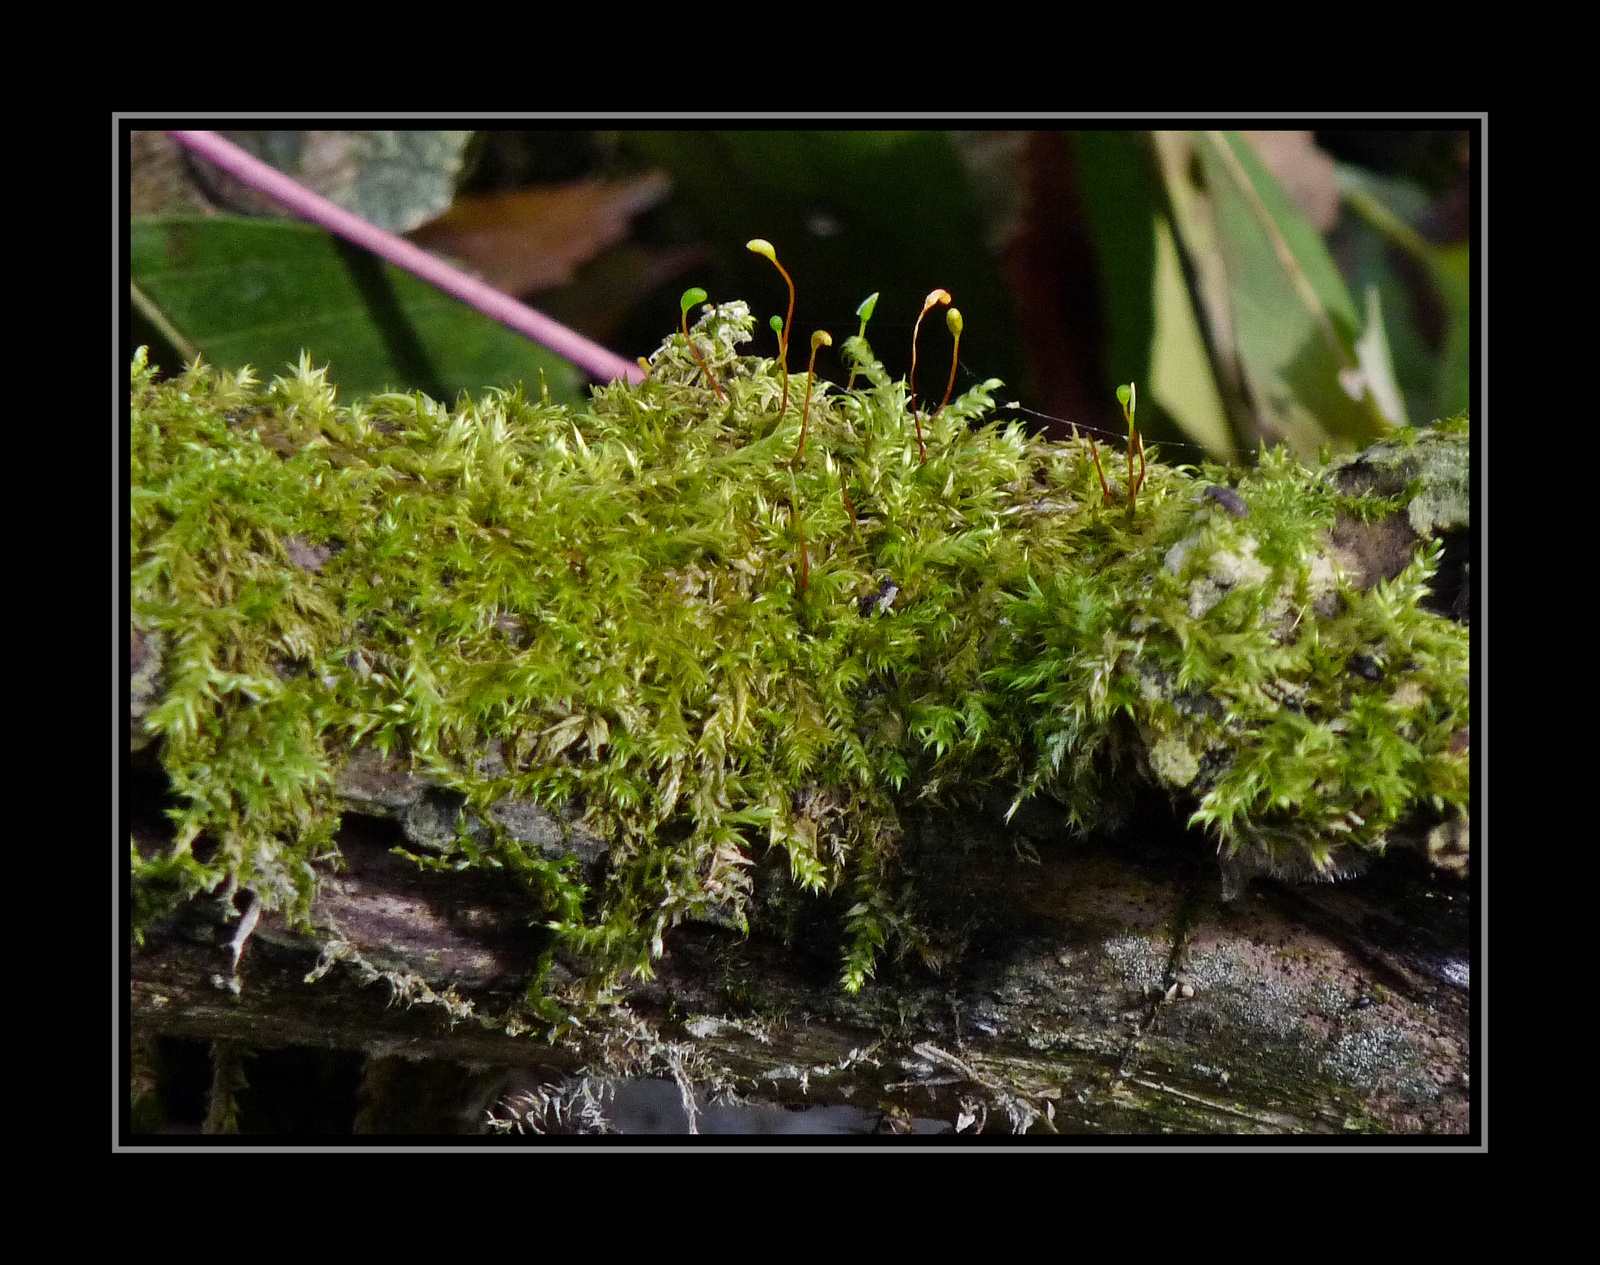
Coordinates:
<point>1310,287</point>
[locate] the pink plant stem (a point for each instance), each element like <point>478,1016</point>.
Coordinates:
<point>591,357</point>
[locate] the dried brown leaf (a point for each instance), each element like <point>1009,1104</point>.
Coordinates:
<point>533,239</point>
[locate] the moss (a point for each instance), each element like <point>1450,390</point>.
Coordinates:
<point>639,623</point>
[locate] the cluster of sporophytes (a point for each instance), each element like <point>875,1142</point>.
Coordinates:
<point>713,619</point>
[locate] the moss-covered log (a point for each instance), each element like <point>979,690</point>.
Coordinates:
<point>629,683</point>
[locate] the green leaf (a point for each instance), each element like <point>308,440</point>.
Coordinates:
<point>258,292</point>
<point>1181,379</point>
<point>1385,209</point>
<point>1283,325</point>
<point>1152,332</point>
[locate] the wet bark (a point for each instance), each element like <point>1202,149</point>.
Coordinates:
<point>1103,987</point>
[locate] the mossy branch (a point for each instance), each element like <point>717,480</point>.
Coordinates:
<point>644,647</point>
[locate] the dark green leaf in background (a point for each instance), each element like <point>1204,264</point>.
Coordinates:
<point>258,292</point>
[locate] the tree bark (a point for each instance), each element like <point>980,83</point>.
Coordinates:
<point>1102,988</point>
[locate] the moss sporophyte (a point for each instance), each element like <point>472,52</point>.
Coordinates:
<point>648,645</point>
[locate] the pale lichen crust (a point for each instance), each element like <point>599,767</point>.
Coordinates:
<point>628,652</point>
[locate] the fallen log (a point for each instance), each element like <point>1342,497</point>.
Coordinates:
<point>596,741</point>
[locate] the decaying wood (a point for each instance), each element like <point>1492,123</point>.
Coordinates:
<point>1103,987</point>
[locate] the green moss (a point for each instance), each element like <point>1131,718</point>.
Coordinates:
<point>638,620</point>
